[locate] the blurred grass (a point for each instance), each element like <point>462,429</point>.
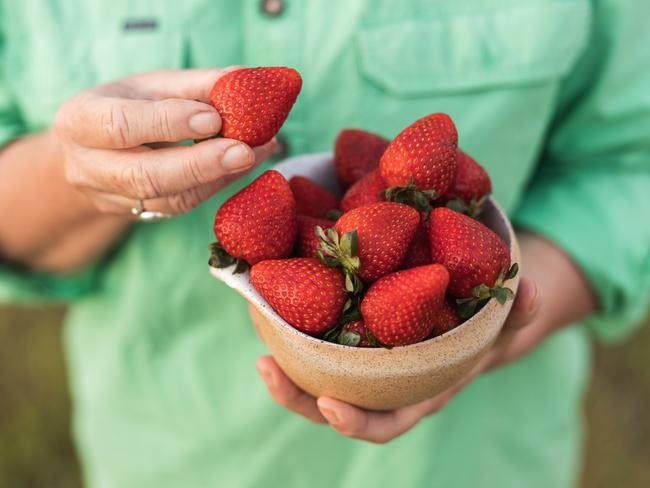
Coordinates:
<point>36,450</point>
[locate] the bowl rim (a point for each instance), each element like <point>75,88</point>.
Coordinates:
<point>270,314</point>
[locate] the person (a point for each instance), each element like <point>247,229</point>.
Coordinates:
<point>95,100</point>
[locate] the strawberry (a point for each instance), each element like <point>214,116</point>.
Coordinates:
<point>419,253</point>
<point>421,158</point>
<point>356,153</point>
<point>401,308</point>
<point>477,259</point>
<point>307,240</point>
<point>367,190</point>
<point>354,334</point>
<point>307,294</point>
<point>255,224</point>
<point>470,187</point>
<point>374,241</point>
<point>446,319</point>
<point>255,102</point>
<point>311,198</point>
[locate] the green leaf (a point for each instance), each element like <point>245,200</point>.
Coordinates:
<point>349,283</point>
<point>332,334</point>
<point>481,291</point>
<point>499,294</point>
<point>509,293</point>
<point>457,205</point>
<point>242,267</point>
<point>219,257</point>
<point>512,272</point>
<point>354,242</point>
<point>349,338</point>
<point>334,214</point>
<point>318,230</point>
<point>467,308</point>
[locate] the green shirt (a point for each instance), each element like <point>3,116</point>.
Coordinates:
<point>552,96</point>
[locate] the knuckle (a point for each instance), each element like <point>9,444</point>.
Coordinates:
<point>115,124</point>
<point>163,122</point>
<point>185,201</point>
<point>193,170</point>
<point>140,181</point>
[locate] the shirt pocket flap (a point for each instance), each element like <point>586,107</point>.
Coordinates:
<point>527,44</point>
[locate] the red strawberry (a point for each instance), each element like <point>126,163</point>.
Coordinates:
<point>373,241</point>
<point>354,334</point>
<point>470,187</point>
<point>477,259</point>
<point>422,157</point>
<point>255,102</point>
<point>367,190</point>
<point>446,319</point>
<point>356,153</point>
<point>419,253</point>
<point>401,308</point>
<point>307,240</point>
<point>311,198</point>
<point>307,294</point>
<point>257,223</point>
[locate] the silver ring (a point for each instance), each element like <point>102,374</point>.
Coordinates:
<point>147,215</point>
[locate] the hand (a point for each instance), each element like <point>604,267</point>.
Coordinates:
<point>540,308</point>
<point>118,143</point>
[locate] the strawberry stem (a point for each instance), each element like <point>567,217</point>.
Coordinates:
<point>410,195</point>
<point>481,294</point>
<point>219,258</point>
<point>341,253</point>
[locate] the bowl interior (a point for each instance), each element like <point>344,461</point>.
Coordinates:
<point>319,168</point>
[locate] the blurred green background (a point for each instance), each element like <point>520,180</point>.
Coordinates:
<point>36,450</point>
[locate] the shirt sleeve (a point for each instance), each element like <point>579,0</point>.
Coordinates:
<point>18,285</point>
<point>591,193</point>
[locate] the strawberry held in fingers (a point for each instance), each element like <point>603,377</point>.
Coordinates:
<point>255,224</point>
<point>370,241</point>
<point>423,155</point>
<point>470,187</point>
<point>311,198</point>
<point>307,240</point>
<point>307,294</point>
<point>401,308</point>
<point>477,259</point>
<point>356,153</point>
<point>254,102</point>
<point>367,190</point>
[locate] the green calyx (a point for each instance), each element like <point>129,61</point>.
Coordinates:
<point>472,209</point>
<point>482,294</point>
<point>410,195</point>
<point>341,253</point>
<point>219,258</point>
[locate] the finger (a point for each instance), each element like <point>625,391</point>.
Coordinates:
<point>97,121</point>
<point>179,203</point>
<point>286,393</point>
<point>525,307</point>
<point>143,173</point>
<point>192,84</point>
<point>376,427</point>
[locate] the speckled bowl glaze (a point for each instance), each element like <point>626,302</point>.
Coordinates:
<point>375,378</point>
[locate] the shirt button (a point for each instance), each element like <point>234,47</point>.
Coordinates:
<point>282,148</point>
<point>272,8</point>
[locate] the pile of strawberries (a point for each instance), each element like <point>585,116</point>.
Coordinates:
<point>400,258</point>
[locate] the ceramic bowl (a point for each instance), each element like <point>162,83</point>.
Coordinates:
<point>375,378</point>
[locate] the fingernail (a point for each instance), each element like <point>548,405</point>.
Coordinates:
<point>330,415</point>
<point>266,375</point>
<point>205,123</point>
<point>237,158</point>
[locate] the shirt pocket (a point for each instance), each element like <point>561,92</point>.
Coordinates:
<point>525,45</point>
